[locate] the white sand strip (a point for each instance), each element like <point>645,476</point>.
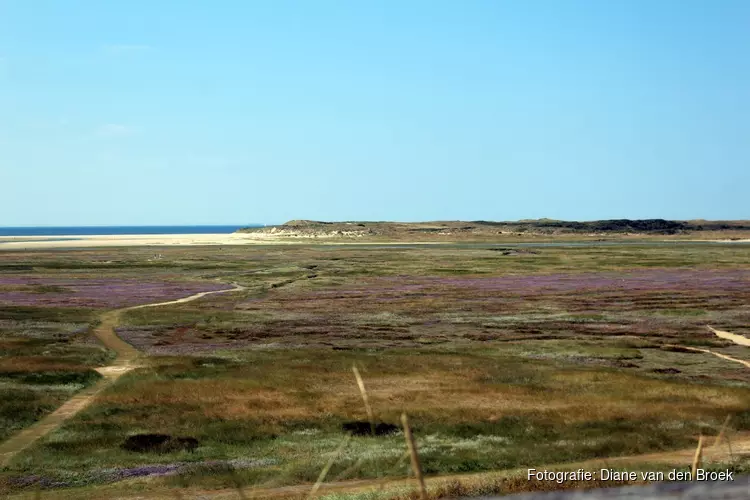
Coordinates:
<point>118,240</point>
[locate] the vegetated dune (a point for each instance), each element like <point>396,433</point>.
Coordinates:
<point>478,230</point>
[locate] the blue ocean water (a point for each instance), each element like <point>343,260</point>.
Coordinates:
<point>111,230</point>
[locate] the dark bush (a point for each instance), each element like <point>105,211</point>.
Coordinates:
<point>362,428</point>
<point>159,443</point>
<point>666,371</point>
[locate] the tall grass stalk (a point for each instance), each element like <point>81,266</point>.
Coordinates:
<point>328,466</point>
<point>415,465</point>
<point>722,431</point>
<point>697,458</point>
<point>365,399</point>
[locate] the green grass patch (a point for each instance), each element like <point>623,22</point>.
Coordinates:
<point>21,407</point>
<point>59,314</point>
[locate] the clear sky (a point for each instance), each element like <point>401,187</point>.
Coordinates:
<point>238,111</point>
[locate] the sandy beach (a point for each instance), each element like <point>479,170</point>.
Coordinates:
<point>129,240</point>
<point>135,240</point>
<point>132,240</point>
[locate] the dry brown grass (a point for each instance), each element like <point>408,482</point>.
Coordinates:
<point>32,364</point>
<point>572,395</point>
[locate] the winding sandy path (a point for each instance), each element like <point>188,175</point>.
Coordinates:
<point>733,337</point>
<point>717,354</point>
<point>127,360</point>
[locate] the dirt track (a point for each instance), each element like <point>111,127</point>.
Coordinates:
<point>717,354</point>
<point>127,360</point>
<point>737,339</point>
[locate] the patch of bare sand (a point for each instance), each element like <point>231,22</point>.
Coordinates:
<point>86,241</point>
<point>733,337</point>
<point>135,240</point>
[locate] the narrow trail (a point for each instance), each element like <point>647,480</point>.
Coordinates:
<point>737,339</point>
<point>127,360</point>
<point>733,337</point>
<point>717,354</point>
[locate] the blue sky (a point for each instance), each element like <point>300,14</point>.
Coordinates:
<point>237,111</point>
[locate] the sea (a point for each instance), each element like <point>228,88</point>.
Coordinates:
<point>112,230</point>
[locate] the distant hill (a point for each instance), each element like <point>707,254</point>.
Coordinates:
<point>490,230</point>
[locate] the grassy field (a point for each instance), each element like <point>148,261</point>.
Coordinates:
<point>45,357</point>
<point>503,357</point>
